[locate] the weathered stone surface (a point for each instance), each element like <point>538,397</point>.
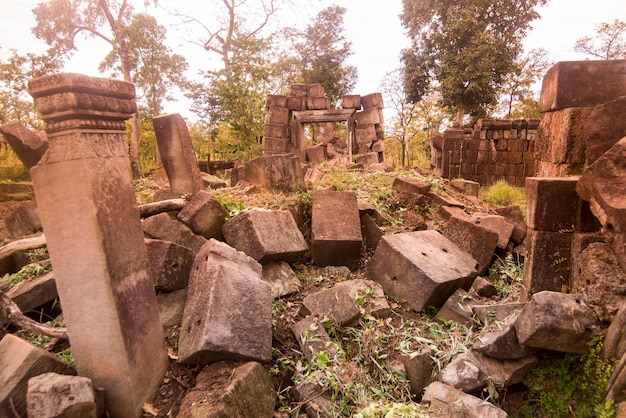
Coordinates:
<point>419,368</point>
<point>336,238</point>
<point>275,146</point>
<point>560,137</point>
<point>423,267</point>
<point>503,344</point>
<point>164,227</point>
<point>553,205</point>
<point>448,211</point>
<point>582,83</point>
<point>316,401</point>
<point>604,127</point>
<point>315,155</point>
<point>281,278</point>
<point>374,100</point>
<point>278,115</point>
<point>410,185</point>
<point>171,307</point>
<point>23,221</point>
<point>603,185</point>
<point>27,145</point>
<point>439,199</point>
<point>457,308</point>
<point>498,311</point>
<point>229,390</point>
<point>169,264</point>
<point>464,372</point>
<point>484,287</point>
<point>204,215</point>
<point>84,190</point>
<point>352,101</point>
<point>177,154</point>
<point>473,238</point>
<point>549,261</point>
<point>347,301</point>
<point>312,336</point>
<point>616,386</point>
<point>317,103</point>
<point>506,372</point>
<point>228,312</point>
<point>453,402</point>
<point>52,395</point>
<point>366,159</point>
<point>514,215</point>
<point>275,100</point>
<point>266,235</point>
<point>368,117</point>
<point>497,224</point>
<point>556,321</point>
<point>371,232</point>
<point>615,340</point>
<point>597,276</point>
<point>467,187</point>
<point>19,361</point>
<point>31,294</point>
<point>274,172</point>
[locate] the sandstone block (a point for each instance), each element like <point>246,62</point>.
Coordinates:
<point>419,368</point>
<point>465,372</point>
<point>315,155</point>
<point>204,215</point>
<point>281,278</point>
<point>274,172</point>
<point>497,224</point>
<point>228,315</point>
<point>52,395</point>
<point>296,103</point>
<point>347,301</point>
<point>549,261</point>
<point>312,336</point>
<point>467,187</point>
<point>23,221</point>
<point>315,90</point>
<point>503,344</point>
<point>19,361</point>
<point>410,185</point>
<point>163,227</point>
<point>553,205</point>
<point>458,308</point>
<point>453,402</point>
<point>374,100</point>
<point>317,103</point>
<point>475,239</point>
<point>171,307</point>
<point>484,287</point>
<point>27,145</point>
<point>169,263</point>
<point>31,294</point>
<point>277,145</point>
<point>226,390</point>
<point>370,231</point>
<point>278,115</point>
<point>514,215</point>
<point>299,89</point>
<point>582,83</point>
<point>351,102</point>
<point>336,238</point>
<point>366,159</point>
<point>266,235</point>
<point>498,311</point>
<point>275,100</point>
<point>276,130</point>
<point>560,136</point>
<point>604,127</point>
<point>368,117</point>
<point>556,321</point>
<point>423,267</point>
<point>365,134</point>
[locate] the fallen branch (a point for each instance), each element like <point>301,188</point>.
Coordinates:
<point>151,209</point>
<point>17,318</point>
<point>25,244</point>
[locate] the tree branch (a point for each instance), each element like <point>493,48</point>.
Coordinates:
<point>17,318</point>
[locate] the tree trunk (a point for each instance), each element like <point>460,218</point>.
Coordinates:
<point>459,115</point>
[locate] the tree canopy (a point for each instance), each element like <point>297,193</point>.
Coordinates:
<point>609,42</point>
<point>467,46</point>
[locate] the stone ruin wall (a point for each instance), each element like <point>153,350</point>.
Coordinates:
<point>307,104</point>
<point>492,150</point>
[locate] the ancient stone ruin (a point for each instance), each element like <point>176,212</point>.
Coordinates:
<point>217,275</point>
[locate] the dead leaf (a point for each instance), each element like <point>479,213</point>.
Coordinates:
<point>150,409</point>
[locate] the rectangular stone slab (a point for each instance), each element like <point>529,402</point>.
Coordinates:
<point>424,268</point>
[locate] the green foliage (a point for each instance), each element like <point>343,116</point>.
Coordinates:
<point>11,168</point>
<point>145,188</point>
<point>502,194</point>
<point>573,386</point>
<point>508,273</point>
<point>28,272</point>
<point>468,46</point>
<point>233,207</point>
<point>395,410</point>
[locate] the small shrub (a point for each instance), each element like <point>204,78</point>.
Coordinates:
<point>502,194</point>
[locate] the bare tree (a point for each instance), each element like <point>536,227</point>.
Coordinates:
<point>609,42</point>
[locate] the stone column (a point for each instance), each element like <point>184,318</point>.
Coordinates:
<point>88,209</point>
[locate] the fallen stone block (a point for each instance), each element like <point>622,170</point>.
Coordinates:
<point>452,402</point>
<point>19,361</point>
<point>410,185</point>
<point>464,372</point>
<point>439,199</point>
<point>347,301</point>
<point>514,215</point>
<point>226,390</point>
<point>315,400</point>
<point>582,83</point>
<point>228,313</point>
<point>556,321</point>
<point>506,372</point>
<point>366,159</point>
<point>458,308</point>
<point>169,264</point>
<point>31,294</point>
<point>266,235</point>
<point>449,211</point>
<point>213,182</point>
<point>204,215</point>
<point>503,344</point>
<point>423,267</point>
<point>497,224</point>
<point>312,336</point>
<point>281,278</point>
<point>315,155</point>
<point>163,227</point>
<point>484,287</point>
<point>220,253</point>
<point>498,311</point>
<point>554,205</point>
<point>419,368</point>
<point>336,238</point>
<point>27,145</point>
<point>171,307</point>
<point>548,265</point>
<point>281,172</point>
<point>466,187</point>
<point>23,221</point>
<point>52,395</point>
<point>604,127</point>
<point>371,232</point>
<point>477,240</point>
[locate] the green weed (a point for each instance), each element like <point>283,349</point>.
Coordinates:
<point>502,194</point>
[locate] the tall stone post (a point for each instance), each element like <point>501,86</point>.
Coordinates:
<point>88,209</point>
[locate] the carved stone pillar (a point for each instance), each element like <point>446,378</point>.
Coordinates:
<point>83,185</point>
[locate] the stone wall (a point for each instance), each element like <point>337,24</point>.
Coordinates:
<point>492,150</point>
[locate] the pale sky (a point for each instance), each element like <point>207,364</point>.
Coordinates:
<point>372,26</point>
